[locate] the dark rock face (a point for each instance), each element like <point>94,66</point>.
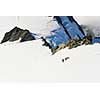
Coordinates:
<point>46,43</point>
<point>6,37</point>
<point>17,33</point>
<point>27,37</point>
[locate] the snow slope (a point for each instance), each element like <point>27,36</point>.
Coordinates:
<point>30,61</point>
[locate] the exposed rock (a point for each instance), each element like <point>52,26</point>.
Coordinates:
<point>17,33</point>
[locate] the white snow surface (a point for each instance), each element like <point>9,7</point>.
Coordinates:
<point>30,61</point>
<point>33,62</point>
